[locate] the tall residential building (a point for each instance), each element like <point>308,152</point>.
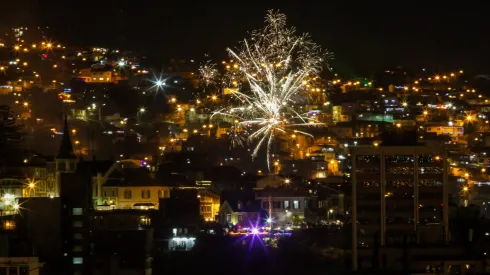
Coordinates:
<point>399,197</point>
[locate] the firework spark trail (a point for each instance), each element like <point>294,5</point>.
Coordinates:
<point>277,65</point>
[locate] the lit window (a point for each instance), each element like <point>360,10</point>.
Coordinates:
<point>296,204</point>
<point>239,218</point>
<point>77,211</point>
<point>228,217</point>
<point>286,205</point>
<point>9,225</point>
<point>145,220</point>
<point>77,260</point>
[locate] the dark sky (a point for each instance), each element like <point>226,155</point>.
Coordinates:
<point>364,35</point>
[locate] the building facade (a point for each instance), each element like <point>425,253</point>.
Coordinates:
<point>399,195</point>
<point>286,207</point>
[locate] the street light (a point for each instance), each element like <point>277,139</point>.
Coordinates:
<point>330,211</point>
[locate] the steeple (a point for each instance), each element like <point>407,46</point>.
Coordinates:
<point>66,148</point>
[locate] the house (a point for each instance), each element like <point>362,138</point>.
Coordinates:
<point>209,202</point>
<point>241,213</point>
<point>286,206</point>
<point>128,188</point>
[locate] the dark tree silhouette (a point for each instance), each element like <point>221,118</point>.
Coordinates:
<point>11,135</point>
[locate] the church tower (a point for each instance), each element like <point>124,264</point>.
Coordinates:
<point>66,161</point>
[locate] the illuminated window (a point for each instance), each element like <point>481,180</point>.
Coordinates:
<point>77,211</point>
<point>9,225</point>
<point>77,260</point>
<point>296,205</point>
<point>287,205</point>
<point>228,217</point>
<point>240,218</point>
<point>145,220</point>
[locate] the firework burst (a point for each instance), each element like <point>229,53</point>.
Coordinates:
<point>276,68</point>
<point>208,74</point>
<point>238,137</point>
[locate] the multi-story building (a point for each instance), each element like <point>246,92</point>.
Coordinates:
<point>399,195</point>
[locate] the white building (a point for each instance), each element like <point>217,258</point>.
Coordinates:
<point>287,207</point>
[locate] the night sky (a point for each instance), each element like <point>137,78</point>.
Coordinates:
<point>364,35</point>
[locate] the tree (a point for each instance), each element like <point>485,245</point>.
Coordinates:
<point>10,135</point>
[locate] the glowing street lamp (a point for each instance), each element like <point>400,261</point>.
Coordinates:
<point>159,83</point>
<point>330,211</point>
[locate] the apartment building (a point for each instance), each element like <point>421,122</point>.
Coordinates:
<point>399,196</point>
